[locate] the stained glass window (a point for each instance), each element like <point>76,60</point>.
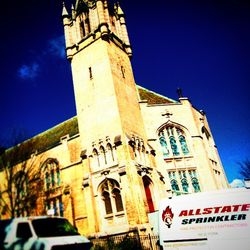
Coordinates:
<point>164,146</point>
<point>184,184</point>
<point>174,185</point>
<point>184,146</point>
<point>52,177</point>
<point>196,185</point>
<point>51,172</point>
<point>186,179</point>
<point>173,145</point>
<point>58,176</point>
<point>173,142</point>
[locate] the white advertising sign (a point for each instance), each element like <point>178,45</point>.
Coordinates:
<point>209,220</point>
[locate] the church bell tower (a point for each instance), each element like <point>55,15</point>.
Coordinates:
<point>108,111</point>
<point>99,50</point>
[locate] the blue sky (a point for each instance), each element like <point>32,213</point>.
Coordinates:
<point>200,46</point>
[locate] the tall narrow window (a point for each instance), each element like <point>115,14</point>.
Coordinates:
<point>96,161</point>
<point>90,73</point>
<point>52,177</point>
<point>196,185</point>
<point>47,180</point>
<point>58,176</point>
<point>183,143</point>
<point>55,207</point>
<point>118,200</point>
<point>175,186</point>
<point>173,145</point>
<point>123,71</point>
<point>107,202</point>
<point>164,146</point>
<point>60,206</point>
<point>82,29</point>
<point>184,184</point>
<point>110,153</point>
<point>87,24</point>
<point>103,156</point>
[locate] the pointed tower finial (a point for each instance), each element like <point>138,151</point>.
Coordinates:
<point>64,11</point>
<point>73,12</point>
<point>119,9</point>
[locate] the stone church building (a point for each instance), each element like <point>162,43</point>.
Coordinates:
<point>128,147</point>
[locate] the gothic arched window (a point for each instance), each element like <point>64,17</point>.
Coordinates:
<point>173,142</point>
<point>118,200</point>
<point>103,157</point>
<point>196,185</point>
<point>96,162</point>
<point>174,185</point>
<point>52,180</point>
<point>173,145</point>
<point>107,202</point>
<point>164,145</point>
<point>184,146</point>
<point>111,196</point>
<point>110,153</point>
<point>184,185</point>
<point>51,173</point>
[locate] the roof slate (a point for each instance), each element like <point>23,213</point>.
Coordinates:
<point>152,97</point>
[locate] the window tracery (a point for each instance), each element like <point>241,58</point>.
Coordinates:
<point>52,176</point>
<point>184,181</point>
<point>52,181</point>
<point>173,142</point>
<point>111,196</point>
<point>105,156</point>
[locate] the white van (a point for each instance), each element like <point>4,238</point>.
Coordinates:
<point>40,233</point>
<point>209,220</point>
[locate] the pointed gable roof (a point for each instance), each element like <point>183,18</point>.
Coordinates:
<point>152,97</point>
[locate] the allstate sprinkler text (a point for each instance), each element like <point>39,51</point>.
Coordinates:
<point>218,214</point>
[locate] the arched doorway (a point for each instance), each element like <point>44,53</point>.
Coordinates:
<point>147,187</point>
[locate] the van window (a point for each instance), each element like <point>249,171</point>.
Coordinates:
<point>23,230</point>
<point>3,229</point>
<point>51,227</point>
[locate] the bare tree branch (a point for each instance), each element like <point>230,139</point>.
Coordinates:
<point>245,169</point>
<point>20,180</point>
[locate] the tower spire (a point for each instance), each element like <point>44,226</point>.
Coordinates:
<point>64,11</point>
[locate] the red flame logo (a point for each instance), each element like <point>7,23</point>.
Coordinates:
<point>167,216</point>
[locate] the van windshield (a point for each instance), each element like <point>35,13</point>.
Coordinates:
<point>53,227</point>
